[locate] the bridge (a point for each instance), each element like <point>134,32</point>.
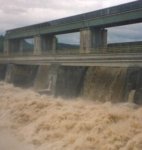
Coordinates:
<point>93,35</point>
<point>46,64</point>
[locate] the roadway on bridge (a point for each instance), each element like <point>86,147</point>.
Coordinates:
<point>116,60</point>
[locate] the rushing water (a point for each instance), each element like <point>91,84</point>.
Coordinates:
<point>78,124</point>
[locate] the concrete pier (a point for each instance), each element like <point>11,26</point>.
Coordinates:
<point>45,81</point>
<point>49,43</point>
<point>44,43</point>
<point>6,46</point>
<point>92,38</point>
<point>37,45</point>
<point>13,46</point>
<point>21,46</point>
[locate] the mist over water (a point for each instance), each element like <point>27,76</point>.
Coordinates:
<point>79,124</point>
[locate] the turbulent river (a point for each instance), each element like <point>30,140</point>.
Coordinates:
<point>49,123</point>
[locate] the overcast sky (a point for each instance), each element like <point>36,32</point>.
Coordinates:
<point>18,13</point>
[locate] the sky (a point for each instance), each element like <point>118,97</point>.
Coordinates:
<point>19,13</point>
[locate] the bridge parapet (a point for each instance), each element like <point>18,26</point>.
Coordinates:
<point>110,49</point>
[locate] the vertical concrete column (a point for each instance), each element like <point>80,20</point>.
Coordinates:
<point>92,39</point>
<point>46,79</point>
<point>54,45</point>
<point>85,40</point>
<point>37,45</point>
<point>99,38</point>
<point>14,46</point>
<point>21,46</point>
<point>6,46</point>
<point>41,80</point>
<point>46,43</point>
<point>49,43</point>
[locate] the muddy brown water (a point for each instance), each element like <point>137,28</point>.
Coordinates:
<point>30,120</point>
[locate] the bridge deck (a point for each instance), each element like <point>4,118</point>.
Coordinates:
<point>114,59</point>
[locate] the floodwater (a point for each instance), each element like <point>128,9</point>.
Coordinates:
<point>10,142</point>
<point>33,121</point>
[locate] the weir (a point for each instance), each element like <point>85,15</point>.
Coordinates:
<point>100,83</point>
<point>96,70</point>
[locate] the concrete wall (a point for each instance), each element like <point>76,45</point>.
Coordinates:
<point>92,39</point>
<point>13,46</point>
<point>44,43</point>
<point>45,81</point>
<point>134,84</point>
<point>70,81</point>
<point>59,80</point>
<point>21,75</point>
<point>97,83</point>
<point>113,84</point>
<point>105,84</point>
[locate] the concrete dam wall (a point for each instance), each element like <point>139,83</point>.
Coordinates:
<point>98,83</point>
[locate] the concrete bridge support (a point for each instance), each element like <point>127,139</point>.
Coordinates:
<point>44,43</point>
<point>6,46</point>
<point>41,82</point>
<point>14,45</point>
<point>45,81</point>
<point>92,38</point>
<point>49,43</point>
<point>21,46</point>
<point>37,45</point>
<point>59,80</point>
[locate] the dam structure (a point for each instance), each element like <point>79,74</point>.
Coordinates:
<point>95,69</point>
